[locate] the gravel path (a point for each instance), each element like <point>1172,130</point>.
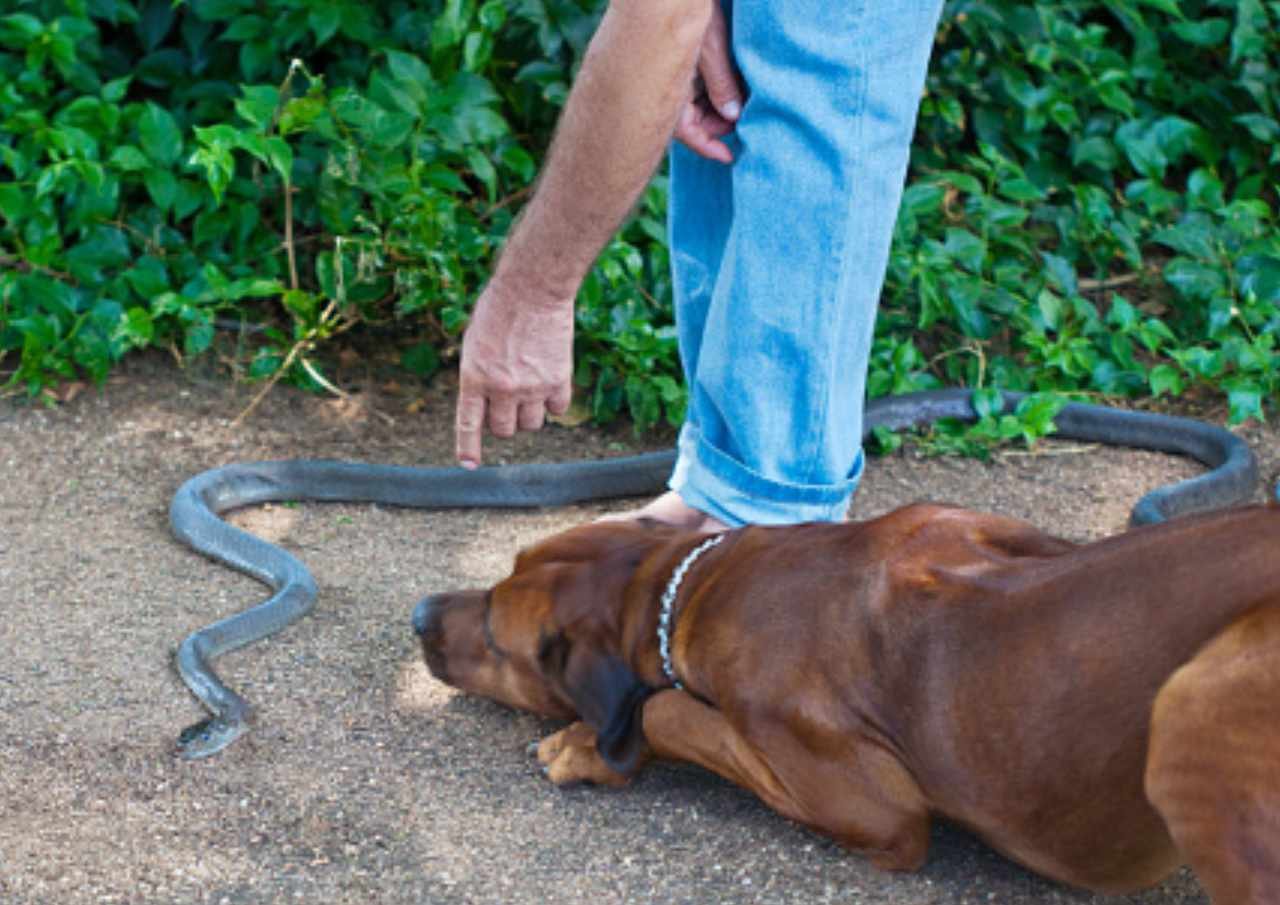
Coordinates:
<point>363,779</point>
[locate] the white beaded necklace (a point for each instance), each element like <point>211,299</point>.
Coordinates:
<point>668,601</point>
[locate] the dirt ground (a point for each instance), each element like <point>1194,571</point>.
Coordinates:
<point>364,780</point>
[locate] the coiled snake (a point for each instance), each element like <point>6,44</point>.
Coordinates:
<point>194,513</point>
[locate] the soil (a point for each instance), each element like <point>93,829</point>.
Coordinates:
<point>363,779</point>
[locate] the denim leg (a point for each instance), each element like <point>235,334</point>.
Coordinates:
<point>779,259</point>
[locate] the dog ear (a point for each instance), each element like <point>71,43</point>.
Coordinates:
<point>607,695</point>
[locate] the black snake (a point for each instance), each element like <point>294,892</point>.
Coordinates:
<point>194,514</point>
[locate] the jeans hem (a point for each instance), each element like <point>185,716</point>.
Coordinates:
<point>713,482</point>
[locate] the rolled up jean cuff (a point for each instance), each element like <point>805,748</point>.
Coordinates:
<point>712,482</point>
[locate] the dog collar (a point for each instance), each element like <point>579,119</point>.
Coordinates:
<point>668,602</point>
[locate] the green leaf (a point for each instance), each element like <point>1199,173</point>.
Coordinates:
<point>250,287</point>
<point>1260,277</point>
<point>642,401</point>
<point>482,168</point>
<point>114,92</point>
<point>1051,307</point>
<point>257,105</point>
<point>1249,37</point>
<point>155,19</point>
<point>1263,128</point>
<point>1165,379</point>
<point>1193,236</point>
<point>104,248</point>
<point>19,30</point>
<point>245,29</point>
<point>128,159</point>
<point>1165,6</point>
<point>987,402</point>
<point>962,181</point>
<point>1036,415</point>
<point>265,363</point>
<point>1062,271</point>
<point>163,69</point>
<point>518,160</point>
<point>422,360</point>
<point>476,51</point>
<point>1122,316</point>
<point>450,25</point>
<point>965,297</point>
<point>256,58</point>
<point>391,130</point>
<point>966,249</point>
<point>281,157</point>
<point>159,135</point>
<point>13,202</point>
<point>1096,151</point>
<point>323,19</point>
<point>1205,190</point>
<point>137,328</point>
<point>162,187</point>
<point>148,277</point>
<point>1193,279</point>
<point>1200,361</point>
<point>1021,190</point>
<point>1144,153</point>
<point>1210,32</point>
<point>1244,400</point>
<point>198,335</point>
<point>887,441</point>
<point>412,79</point>
<point>493,14</point>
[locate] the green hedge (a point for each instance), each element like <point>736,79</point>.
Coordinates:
<point>1092,204</point>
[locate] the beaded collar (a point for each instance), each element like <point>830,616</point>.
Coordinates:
<point>668,602</point>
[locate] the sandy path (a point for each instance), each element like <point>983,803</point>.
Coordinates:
<point>364,780</point>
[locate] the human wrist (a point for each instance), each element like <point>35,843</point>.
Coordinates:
<point>541,280</point>
<point>529,287</point>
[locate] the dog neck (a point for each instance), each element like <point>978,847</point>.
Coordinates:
<point>666,614</point>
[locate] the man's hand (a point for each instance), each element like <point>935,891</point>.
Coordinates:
<point>717,97</point>
<point>517,364</point>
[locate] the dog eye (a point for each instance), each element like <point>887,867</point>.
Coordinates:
<point>553,651</point>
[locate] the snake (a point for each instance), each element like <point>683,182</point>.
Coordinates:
<point>196,511</point>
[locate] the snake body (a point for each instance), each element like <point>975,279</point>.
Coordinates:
<point>195,512</point>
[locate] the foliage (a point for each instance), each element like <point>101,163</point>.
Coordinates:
<point>1092,204</point>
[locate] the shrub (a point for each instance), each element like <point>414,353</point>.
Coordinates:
<point>1091,206</point>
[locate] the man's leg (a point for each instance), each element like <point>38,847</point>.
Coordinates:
<point>778,260</point>
<point>700,211</point>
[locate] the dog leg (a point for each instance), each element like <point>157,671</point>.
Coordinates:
<point>569,757</point>
<point>1215,750</point>
<point>866,800</point>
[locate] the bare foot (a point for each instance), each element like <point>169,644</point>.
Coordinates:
<point>671,509</point>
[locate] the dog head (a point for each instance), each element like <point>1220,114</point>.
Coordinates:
<point>549,638</point>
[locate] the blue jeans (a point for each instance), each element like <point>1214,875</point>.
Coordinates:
<point>779,259</point>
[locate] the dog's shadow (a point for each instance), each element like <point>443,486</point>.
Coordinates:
<point>961,868</point>
<point>681,806</point>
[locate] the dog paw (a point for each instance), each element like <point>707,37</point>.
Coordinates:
<point>570,757</point>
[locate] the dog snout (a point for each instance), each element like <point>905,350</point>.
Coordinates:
<point>427,616</point>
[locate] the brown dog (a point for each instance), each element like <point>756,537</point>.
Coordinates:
<point>1099,713</point>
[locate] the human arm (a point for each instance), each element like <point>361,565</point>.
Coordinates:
<point>629,95</point>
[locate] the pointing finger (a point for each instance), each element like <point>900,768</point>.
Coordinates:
<point>467,427</point>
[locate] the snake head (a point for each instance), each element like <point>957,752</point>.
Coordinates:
<point>208,737</point>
